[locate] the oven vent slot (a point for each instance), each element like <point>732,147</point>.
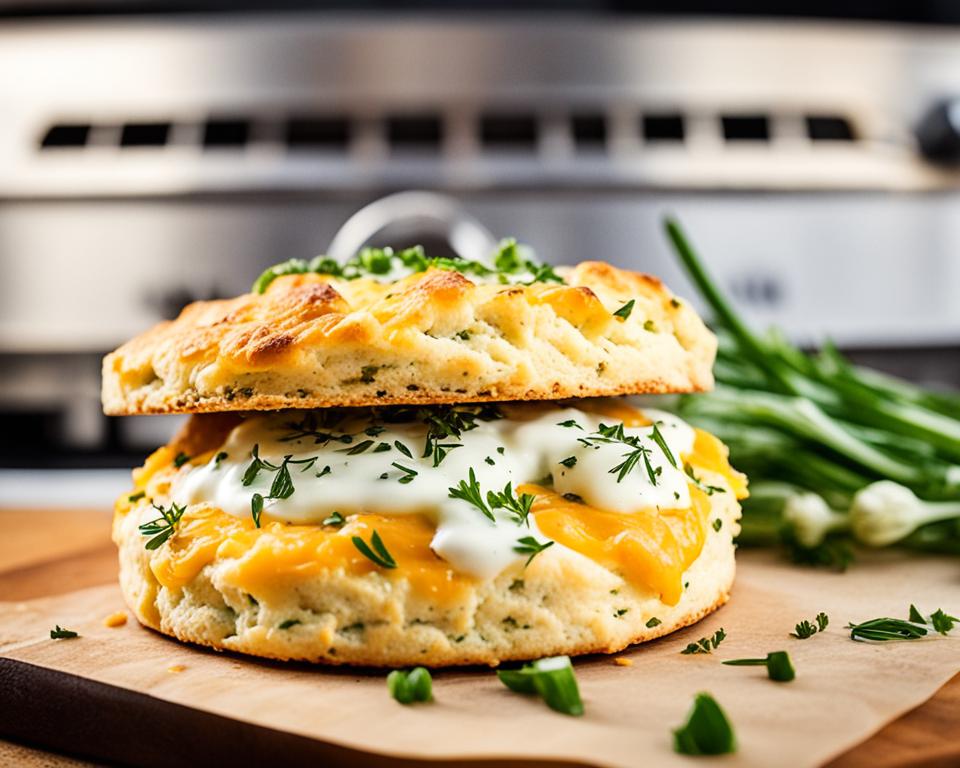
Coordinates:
<point>745,127</point>
<point>418,133</point>
<point>589,131</point>
<point>65,135</point>
<point>226,133</point>
<point>144,134</point>
<point>663,127</point>
<point>509,131</point>
<point>829,128</point>
<point>318,133</point>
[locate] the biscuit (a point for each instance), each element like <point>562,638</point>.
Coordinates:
<point>562,603</point>
<point>313,341</point>
<point>220,582</point>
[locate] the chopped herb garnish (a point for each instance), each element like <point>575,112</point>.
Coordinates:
<point>569,423</point>
<point>806,629</point>
<point>653,622</point>
<point>374,431</point>
<point>649,326</point>
<point>162,527</point>
<point>359,448</point>
<point>569,462</point>
<point>942,622</point>
<point>378,554</point>
<point>218,458</point>
<point>573,497</point>
<point>469,491</point>
<point>409,474</point>
<point>408,687</point>
<point>658,438</point>
<point>463,336</point>
<point>707,489</point>
<point>707,730</point>
<point>402,448</point>
<point>706,644</point>
<point>886,629</point>
<point>552,679</point>
<point>325,471</point>
<point>615,434</point>
<point>489,461</point>
<point>180,459</point>
<point>517,506</point>
<point>136,496</point>
<point>336,519</point>
<point>624,312</point>
<point>717,524</point>
<point>289,623</point>
<point>528,545</point>
<point>510,261</point>
<point>778,664</point>
<point>59,633</point>
<point>500,450</point>
<point>368,372</point>
<point>382,447</point>
<point>256,508</point>
<point>446,422</point>
<point>317,425</point>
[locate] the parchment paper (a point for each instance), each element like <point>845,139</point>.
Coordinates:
<point>844,690</point>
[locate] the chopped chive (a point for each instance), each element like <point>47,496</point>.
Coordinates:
<point>778,664</point>
<point>552,679</point>
<point>707,730</point>
<point>624,312</point>
<point>408,687</point>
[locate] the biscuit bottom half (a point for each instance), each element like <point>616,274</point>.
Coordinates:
<point>300,591</point>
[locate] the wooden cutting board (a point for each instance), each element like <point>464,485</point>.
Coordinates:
<point>51,552</point>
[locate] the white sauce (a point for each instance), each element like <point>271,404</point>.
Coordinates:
<point>529,452</point>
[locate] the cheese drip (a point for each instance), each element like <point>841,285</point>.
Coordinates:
<point>649,532</point>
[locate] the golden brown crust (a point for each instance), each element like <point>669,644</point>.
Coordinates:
<point>313,341</point>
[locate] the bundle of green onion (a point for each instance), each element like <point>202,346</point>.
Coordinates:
<point>835,453</point>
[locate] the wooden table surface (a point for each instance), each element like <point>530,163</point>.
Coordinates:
<point>47,552</point>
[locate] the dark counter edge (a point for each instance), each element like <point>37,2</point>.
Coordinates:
<point>84,718</point>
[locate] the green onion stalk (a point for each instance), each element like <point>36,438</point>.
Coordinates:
<point>837,454</point>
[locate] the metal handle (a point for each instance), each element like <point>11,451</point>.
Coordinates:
<point>413,213</point>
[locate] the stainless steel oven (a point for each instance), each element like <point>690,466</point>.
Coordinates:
<point>148,160</point>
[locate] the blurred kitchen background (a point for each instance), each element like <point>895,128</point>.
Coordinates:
<point>154,153</point>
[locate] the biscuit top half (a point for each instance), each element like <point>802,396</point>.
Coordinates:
<point>399,328</point>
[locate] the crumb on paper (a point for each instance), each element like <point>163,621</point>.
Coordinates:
<point>117,619</point>
<point>622,661</point>
<point>176,668</point>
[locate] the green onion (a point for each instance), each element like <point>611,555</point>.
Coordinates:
<point>59,633</point>
<point>881,454</point>
<point>778,664</point>
<point>707,730</point>
<point>552,679</point>
<point>408,687</point>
